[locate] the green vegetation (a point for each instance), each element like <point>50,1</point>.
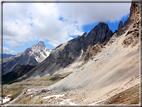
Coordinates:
<point>14,92</point>
<point>45,80</point>
<point>17,88</point>
<point>129,96</point>
<point>58,77</point>
<point>9,79</point>
<point>12,76</point>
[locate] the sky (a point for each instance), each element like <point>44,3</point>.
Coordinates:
<point>25,24</point>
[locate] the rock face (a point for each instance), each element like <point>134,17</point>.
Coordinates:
<point>101,33</point>
<point>68,52</point>
<point>132,37</point>
<point>133,18</point>
<point>134,13</point>
<point>39,51</point>
<point>120,25</point>
<point>92,51</point>
<point>31,56</point>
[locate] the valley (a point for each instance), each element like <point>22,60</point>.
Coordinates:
<point>96,68</point>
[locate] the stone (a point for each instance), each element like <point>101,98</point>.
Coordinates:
<point>120,26</point>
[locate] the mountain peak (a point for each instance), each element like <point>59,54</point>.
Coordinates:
<point>102,23</point>
<point>39,45</point>
<point>134,13</point>
<point>40,42</point>
<point>101,26</point>
<point>31,56</point>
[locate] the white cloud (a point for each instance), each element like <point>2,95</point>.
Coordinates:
<point>13,43</point>
<point>54,43</point>
<point>85,13</point>
<point>8,51</point>
<point>25,23</point>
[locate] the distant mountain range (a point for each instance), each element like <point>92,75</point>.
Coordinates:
<point>7,55</point>
<point>31,56</point>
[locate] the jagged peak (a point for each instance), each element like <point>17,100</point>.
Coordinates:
<point>84,34</point>
<point>134,12</point>
<point>40,42</point>
<point>101,25</point>
<point>120,25</point>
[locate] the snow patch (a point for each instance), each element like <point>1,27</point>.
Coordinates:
<point>31,89</point>
<point>37,58</point>
<point>97,102</point>
<point>47,51</point>
<point>31,96</point>
<point>43,55</point>
<point>81,54</point>
<point>57,96</point>
<point>5,99</point>
<point>67,102</point>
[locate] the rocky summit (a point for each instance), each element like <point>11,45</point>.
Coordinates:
<point>32,56</point>
<point>39,51</point>
<point>120,25</point>
<point>134,12</point>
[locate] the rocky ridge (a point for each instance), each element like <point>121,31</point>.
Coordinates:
<point>31,56</point>
<point>134,12</point>
<point>120,25</point>
<point>7,55</point>
<point>132,37</point>
<point>92,51</point>
<point>67,53</point>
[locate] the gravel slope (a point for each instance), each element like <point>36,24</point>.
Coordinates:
<point>112,71</point>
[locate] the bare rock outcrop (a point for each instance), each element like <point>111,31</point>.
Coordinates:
<point>134,18</point>
<point>134,12</point>
<point>92,51</point>
<point>120,25</point>
<point>132,37</point>
<point>112,39</point>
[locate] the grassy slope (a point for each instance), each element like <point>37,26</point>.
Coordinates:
<point>16,73</point>
<point>129,96</point>
<point>17,88</point>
